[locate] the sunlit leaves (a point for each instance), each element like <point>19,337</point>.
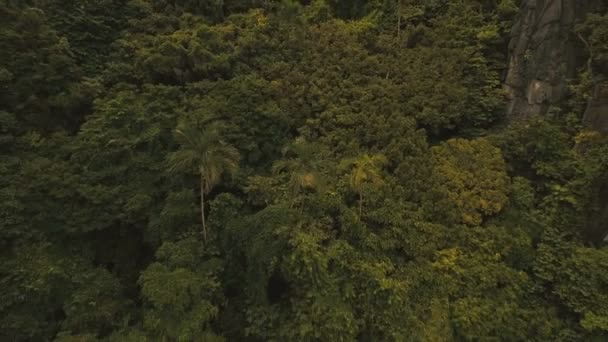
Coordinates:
<point>475,175</point>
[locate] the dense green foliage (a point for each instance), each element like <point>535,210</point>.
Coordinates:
<point>323,170</point>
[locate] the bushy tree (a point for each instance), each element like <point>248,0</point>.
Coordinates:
<point>474,174</point>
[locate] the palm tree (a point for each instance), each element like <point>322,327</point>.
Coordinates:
<point>364,169</point>
<point>205,152</point>
<point>304,165</point>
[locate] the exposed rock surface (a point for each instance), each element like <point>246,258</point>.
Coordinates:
<point>596,115</point>
<point>544,53</point>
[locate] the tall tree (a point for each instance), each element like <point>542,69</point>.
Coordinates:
<point>365,169</point>
<point>205,151</point>
<point>304,164</point>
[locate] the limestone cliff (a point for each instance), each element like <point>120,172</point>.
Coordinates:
<point>544,53</point>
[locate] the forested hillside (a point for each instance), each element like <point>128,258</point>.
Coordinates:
<point>321,170</point>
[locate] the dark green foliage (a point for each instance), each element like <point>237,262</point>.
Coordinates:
<point>377,197</point>
<point>89,26</point>
<point>40,81</point>
<point>594,35</point>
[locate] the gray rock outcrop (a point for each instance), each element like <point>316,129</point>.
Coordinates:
<point>544,53</point>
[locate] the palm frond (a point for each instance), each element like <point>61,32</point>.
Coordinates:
<point>284,165</point>
<point>182,160</point>
<point>364,169</point>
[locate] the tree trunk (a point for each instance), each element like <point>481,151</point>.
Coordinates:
<point>203,209</point>
<point>399,19</point>
<point>360,204</point>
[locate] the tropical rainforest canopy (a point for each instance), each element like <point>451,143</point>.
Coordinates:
<point>259,170</point>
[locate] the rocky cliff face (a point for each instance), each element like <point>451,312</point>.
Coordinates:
<point>596,115</point>
<point>544,53</point>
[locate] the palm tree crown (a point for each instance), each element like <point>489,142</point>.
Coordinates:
<point>365,169</point>
<point>205,152</point>
<point>304,165</point>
